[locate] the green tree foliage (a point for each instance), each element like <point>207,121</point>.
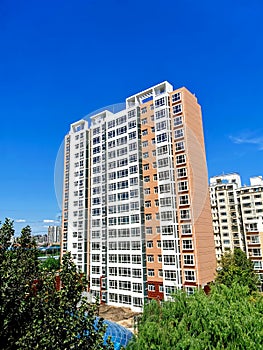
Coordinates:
<point>228,318</point>
<point>34,314</point>
<point>50,264</point>
<point>236,268</point>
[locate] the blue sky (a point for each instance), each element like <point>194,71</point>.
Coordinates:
<point>60,60</point>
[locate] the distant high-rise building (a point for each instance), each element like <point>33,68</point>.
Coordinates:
<point>237,213</point>
<point>136,211</point>
<point>54,233</point>
<point>226,214</point>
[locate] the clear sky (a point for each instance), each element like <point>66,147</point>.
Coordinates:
<point>62,59</point>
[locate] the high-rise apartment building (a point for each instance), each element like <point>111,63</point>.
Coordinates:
<point>226,214</point>
<point>136,208</point>
<point>251,206</point>
<point>237,213</point>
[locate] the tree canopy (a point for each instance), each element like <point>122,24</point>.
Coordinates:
<point>228,318</point>
<point>34,314</point>
<point>236,268</point>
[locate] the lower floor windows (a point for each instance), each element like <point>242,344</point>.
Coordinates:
<point>189,275</point>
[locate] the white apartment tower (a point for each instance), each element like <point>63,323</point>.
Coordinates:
<point>227,222</point>
<point>136,209</point>
<point>237,213</point>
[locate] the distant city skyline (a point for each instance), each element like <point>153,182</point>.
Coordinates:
<point>55,57</point>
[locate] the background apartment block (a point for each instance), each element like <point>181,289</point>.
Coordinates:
<point>237,213</point>
<point>53,235</point>
<point>137,215</point>
<point>226,213</point>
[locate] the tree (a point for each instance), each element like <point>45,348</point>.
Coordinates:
<point>236,268</point>
<point>34,314</point>
<point>227,318</point>
<point>51,264</point>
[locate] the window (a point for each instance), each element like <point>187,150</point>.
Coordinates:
<point>167,230</point>
<point>148,217</point>
<point>147,191</point>
<point>254,239</point>
<point>168,245</point>
<point>169,259</point>
<point>187,244</point>
<point>150,272</point>
<point>124,245</point>
<point>170,275</point>
<point>136,245</point>
<point>131,113</point>
<point>181,172</point>
<point>136,273</point>
<point>150,258</point>
<point>123,232</point>
<point>159,102</point>
<point>133,181</point>
<point>132,135</point>
<point>123,220</point>
<point>165,202</point>
<point>147,204</point>
<point>124,258</point>
<point>178,121</point>
<point>111,124</point>
<point>182,186</point>
<point>134,193</point>
<point>177,109</point>
<point>133,169</point>
<point>185,214</point>
<point>136,259</point>
<point>144,121</point>
<point>134,205</point>
<point>164,175</point>
<point>121,120</point>
<point>144,143</point>
<point>161,126</point>
<point>112,233</point>
<point>160,114</point>
<point>143,110</point>
<point>149,244</point>
<point>178,133</point>
<point>144,132</point>
<point>186,229</point>
<point>146,167</point>
<point>148,230</point>
<point>189,275</point>
<point>163,162</point>
<point>151,288</point>
<point>176,97</point>
<point>112,245</point>
<point>257,265</point>
<point>189,259</point>
<point>184,200</point>
<point>146,179</point>
<point>137,287</point>
<point>132,124</point>
<point>180,159</point>
<point>121,151</point>
<point>135,218</point>
<point>161,137</point>
<point>124,271</point>
<point>145,155</point>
